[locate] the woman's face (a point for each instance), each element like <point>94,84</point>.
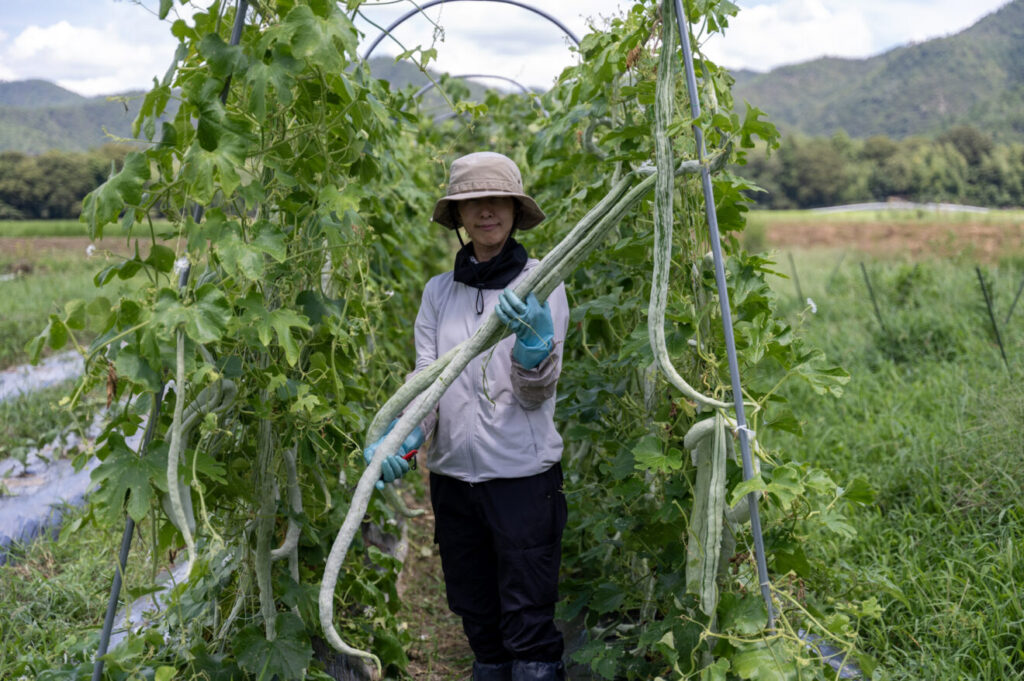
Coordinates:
<point>488,221</point>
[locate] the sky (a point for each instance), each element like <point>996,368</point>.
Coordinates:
<point>96,47</point>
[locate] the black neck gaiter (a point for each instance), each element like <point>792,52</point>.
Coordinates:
<point>495,273</point>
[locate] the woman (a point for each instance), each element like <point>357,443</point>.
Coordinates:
<point>495,472</point>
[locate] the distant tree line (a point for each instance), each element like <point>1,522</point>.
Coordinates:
<point>52,185</point>
<point>962,165</point>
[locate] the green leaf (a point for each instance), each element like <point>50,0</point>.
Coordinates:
<point>784,420</point>
<point>823,380</point>
<point>207,320</point>
<point>58,335</point>
<point>211,123</point>
<point>837,522</point>
<point>34,348</point>
<point>283,321</point>
<point>165,8</point>
<point>261,77</point>
<point>270,240</point>
<point>305,400</point>
<point>753,125</point>
<point>136,369</point>
<point>286,657</point>
<point>860,491</point>
<point>161,258</point>
<point>100,314</point>
<point>206,466</point>
<point>197,170</point>
<point>320,40</point>
<point>164,673</point>
<point>224,60</point>
<point>755,484</point>
<point>389,649</point>
<point>716,671</point>
<point>649,455</point>
<point>242,260</point>
<point>125,474</point>
<point>786,484</point>
<point>607,598</point>
<point>74,314</point>
<point>102,205</point>
<point>316,307</point>
<point>743,615</point>
<point>795,561</point>
<point>764,663</point>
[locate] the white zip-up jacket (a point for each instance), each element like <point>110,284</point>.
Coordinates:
<point>496,420</point>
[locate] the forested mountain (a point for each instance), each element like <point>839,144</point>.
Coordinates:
<point>37,116</point>
<point>975,76</point>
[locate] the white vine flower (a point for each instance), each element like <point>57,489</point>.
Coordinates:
<point>814,308</point>
<point>90,250</point>
<point>180,265</point>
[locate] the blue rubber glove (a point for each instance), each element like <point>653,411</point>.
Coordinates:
<point>532,324</point>
<point>394,466</point>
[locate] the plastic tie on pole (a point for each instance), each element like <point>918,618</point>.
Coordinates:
<point>750,433</point>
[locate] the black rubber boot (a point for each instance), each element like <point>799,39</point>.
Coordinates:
<point>537,671</point>
<point>483,671</point>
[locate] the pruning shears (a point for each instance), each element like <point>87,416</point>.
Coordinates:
<point>410,456</point>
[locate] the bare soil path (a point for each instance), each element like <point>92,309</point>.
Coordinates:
<point>987,242</point>
<point>439,651</point>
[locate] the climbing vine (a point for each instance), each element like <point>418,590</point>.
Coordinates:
<point>291,333</point>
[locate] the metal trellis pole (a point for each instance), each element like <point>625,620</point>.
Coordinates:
<point>723,297</point>
<point>992,315</point>
<point>874,301</point>
<point>241,8</point>
<point>122,556</point>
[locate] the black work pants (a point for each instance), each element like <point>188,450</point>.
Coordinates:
<point>501,546</point>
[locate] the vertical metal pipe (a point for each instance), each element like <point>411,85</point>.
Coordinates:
<point>723,298</point>
<point>122,556</point>
<point>874,301</point>
<point>115,590</point>
<point>992,315</point>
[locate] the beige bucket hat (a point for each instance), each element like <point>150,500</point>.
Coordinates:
<point>486,173</point>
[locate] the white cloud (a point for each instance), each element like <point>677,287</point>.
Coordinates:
<point>492,38</point>
<point>123,53</point>
<point>764,36</point>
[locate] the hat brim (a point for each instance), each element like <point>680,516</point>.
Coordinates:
<point>529,217</point>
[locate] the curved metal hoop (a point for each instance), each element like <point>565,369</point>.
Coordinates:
<point>427,5</point>
<point>526,91</point>
<point>431,85</point>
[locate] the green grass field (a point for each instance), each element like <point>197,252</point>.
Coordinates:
<point>53,228</point>
<point>31,297</point>
<point>935,420</point>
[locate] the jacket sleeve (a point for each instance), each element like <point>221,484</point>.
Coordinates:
<point>425,336</point>
<point>532,387</point>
